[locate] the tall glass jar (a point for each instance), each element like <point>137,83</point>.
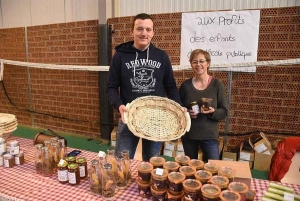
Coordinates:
<point>62,149</point>
<point>62,171</point>
<point>46,162</point>
<point>38,158</point>
<point>95,180</point>
<point>121,180</point>
<point>111,159</point>
<point>54,153</point>
<point>108,182</point>
<point>127,160</point>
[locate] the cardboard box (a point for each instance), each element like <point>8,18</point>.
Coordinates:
<point>178,153</point>
<point>113,134</point>
<point>243,173</point>
<point>179,145</point>
<point>229,155</point>
<point>169,153</point>
<point>262,161</point>
<point>246,154</point>
<point>170,145</point>
<point>261,144</point>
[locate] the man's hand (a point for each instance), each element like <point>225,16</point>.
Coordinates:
<point>122,109</point>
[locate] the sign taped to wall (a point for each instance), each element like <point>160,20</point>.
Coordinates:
<point>229,36</point>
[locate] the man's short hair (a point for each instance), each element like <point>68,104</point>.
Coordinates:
<point>142,16</point>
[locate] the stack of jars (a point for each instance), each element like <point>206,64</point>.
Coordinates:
<point>189,180</point>
<point>10,153</point>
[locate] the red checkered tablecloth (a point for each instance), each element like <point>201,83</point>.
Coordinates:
<point>22,182</point>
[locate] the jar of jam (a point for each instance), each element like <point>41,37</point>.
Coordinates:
<point>220,181</point>
<point>62,171</point>
<point>2,146</point>
<point>195,107</point>
<point>191,188</point>
<point>228,172</point>
<point>158,195</point>
<point>239,187</point>
<point>73,174</point>
<point>228,195</point>
<point>144,172</point>
<point>250,195</point>
<point>188,171</point>
<point>71,159</point>
<point>19,158</point>
<point>82,164</point>
<point>172,197</point>
<point>196,163</point>
<point>210,192</point>
<point>159,178</point>
<point>8,160</point>
<point>182,160</point>
<point>1,159</point>
<point>144,189</point>
<point>171,166</point>
<point>175,182</point>
<point>14,147</point>
<point>212,167</point>
<point>157,161</point>
<point>203,176</point>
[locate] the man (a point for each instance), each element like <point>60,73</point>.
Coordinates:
<point>138,69</point>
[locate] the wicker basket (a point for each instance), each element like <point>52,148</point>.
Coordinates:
<point>157,118</point>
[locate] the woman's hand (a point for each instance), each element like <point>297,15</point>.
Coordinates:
<point>193,114</point>
<point>209,111</point>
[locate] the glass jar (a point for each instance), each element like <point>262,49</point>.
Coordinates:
<point>159,178</point>
<point>250,195</point>
<point>228,195</point>
<point>172,197</point>
<point>239,187</point>
<point>121,180</point>
<point>46,162</point>
<point>8,160</point>
<point>144,189</point>
<point>182,160</point>
<point>19,158</point>
<point>144,172</point>
<point>191,188</point>
<point>38,158</point>
<point>14,147</point>
<point>188,171</point>
<point>127,170</point>
<point>220,181</point>
<point>62,171</point>
<point>171,166</point>
<point>1,159</point>
<point>82,164</point>
<point>175,182</point>
<point>210,192</point>
<point>108,183</point>
<point>196,163</point>
<point>228,172</point>
<point>2,146</point>
<point>54,154</point>
<point>112,159</point>
<point>203,176</point>
<point>195,107</point>
<point>158,195</point>
<point>157,162</point>
<point>211,167</point>
<point>73,174</point>
<point>62,149</point>
<point>71,159</point>
<point>95,179</point>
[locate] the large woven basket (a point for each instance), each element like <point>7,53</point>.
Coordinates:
<point>157,118</point>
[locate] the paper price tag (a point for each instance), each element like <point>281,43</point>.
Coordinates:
<point>101,154</point>
<point>61,162</point>
<point>288,196</point>
<point>159,171</point>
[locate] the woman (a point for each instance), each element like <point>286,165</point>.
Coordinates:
<point>204,130</point>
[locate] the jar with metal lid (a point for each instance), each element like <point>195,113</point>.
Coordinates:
<point>171,166</point>
<point>159,178</point>
<point>95,179</point>
<point>195,107</point>
<point>191,188</point>
<point>2,146</point>
<point>157,161</point>
<point>38,158</point>
<point>228,172</point>
<point>220,181</point>
<point>83,172</point>
<point>14,147</point>
<point>108,183</point>
<point>203,176</point>
<point>73,174</point>
<point>210,192</point>
<point>188,171</point>
<point>8,160</point>
<point>62,171</point>
<point>239,187</point>
<point>19,158</point>
<point>175,182</point>
<point>211,167</point>
<point>182,160</point>
<point>228,195</point>
<point>71,159</point>
<point>144,172</point>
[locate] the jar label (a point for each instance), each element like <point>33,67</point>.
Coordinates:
<point>72,177</point>
<point>6,163</point>
<point>62,175</point>
<point>144,176</point>
<point>159,184</point>
<point>175,187</point>
<point>196,109</point>
<point>82,171</point>
<point>17,160</point>
<point>2,148</point>
<point>14,150</point>
<point>191,195</point>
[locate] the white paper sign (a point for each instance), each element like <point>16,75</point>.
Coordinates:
<point>229,36</point>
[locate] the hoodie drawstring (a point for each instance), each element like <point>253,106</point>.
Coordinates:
<point>135,61</point>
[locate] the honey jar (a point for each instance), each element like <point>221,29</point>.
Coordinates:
<point>82,164</point>
<point>196,163</point>
<point>239,187</point>
<point>212,167</point>
<point>158,195</point>
<point>62,171</point>
<point>14,147</point>
<point>73,174</point>
<point>182,160</point>
<point>144,189</point>
<point>71,159</point>
<point>210,192</point>
<point>172,197</point>
<point>191,188</point>
<point>220,181</point>
<point>175,182</point>
<point>203,176</point>
<point>195,107</point>
<point>144,172</point>
<point>171,166</point>
<point>157,162</point>
<point>228,172</point>
<point>159,178</point>
<point>228,195</point>
<point>250,195</point>
<point>188,171</point>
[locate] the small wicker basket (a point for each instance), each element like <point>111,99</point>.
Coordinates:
<point>157,118</point>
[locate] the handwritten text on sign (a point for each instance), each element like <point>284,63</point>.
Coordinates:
<point>229,36</point>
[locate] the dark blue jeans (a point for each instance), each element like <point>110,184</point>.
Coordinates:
<point>210,148</point>
<point>126,140</point>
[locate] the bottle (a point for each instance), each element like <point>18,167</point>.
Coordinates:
<point>62,149</point>
<point>111,159</point>
<point>46,162</point>
<point>121,180</point>
<point>38,158</point>
<point>127,171</point>
<point>195,107</point>
<point>108,183</point>
<point>95,180</point>
<point>73,174</point>
<point>62,171</point>
<point>82,167</point>
<point>54,153</point>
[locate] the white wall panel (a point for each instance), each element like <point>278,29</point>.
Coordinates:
<point>81,10</point>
